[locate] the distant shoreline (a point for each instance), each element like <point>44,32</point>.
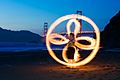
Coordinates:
<point>30,48</point>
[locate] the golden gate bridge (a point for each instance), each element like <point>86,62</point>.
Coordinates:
<point>64,33</point>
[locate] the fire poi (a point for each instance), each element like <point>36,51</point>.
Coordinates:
<point>72,40</point>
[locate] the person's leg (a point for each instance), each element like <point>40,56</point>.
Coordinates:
<point>70,52</point>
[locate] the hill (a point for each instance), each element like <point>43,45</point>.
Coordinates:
<point>110,37</point>
<point>19,36</point>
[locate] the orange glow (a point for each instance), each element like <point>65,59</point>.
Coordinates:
<point>94,43</point>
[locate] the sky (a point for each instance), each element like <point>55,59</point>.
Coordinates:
<point>31,14</point>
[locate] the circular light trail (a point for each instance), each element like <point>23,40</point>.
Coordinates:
<point>94,43</point>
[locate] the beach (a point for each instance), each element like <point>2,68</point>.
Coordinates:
<point>105,66</point>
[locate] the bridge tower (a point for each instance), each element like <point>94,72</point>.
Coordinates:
<point>80,13</point>
<point>45,30</point>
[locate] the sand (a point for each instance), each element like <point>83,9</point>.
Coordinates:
<point>58,72</point>
<point>105,66</point>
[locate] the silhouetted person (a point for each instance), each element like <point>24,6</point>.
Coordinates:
<point>71,50</point>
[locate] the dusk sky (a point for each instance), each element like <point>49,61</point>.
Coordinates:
<point>31,14</point>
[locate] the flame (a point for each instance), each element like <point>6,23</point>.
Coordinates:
<point>94,43</point>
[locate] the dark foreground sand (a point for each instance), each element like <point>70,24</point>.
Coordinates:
<point>58,72</point>
<point>104,67</point>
